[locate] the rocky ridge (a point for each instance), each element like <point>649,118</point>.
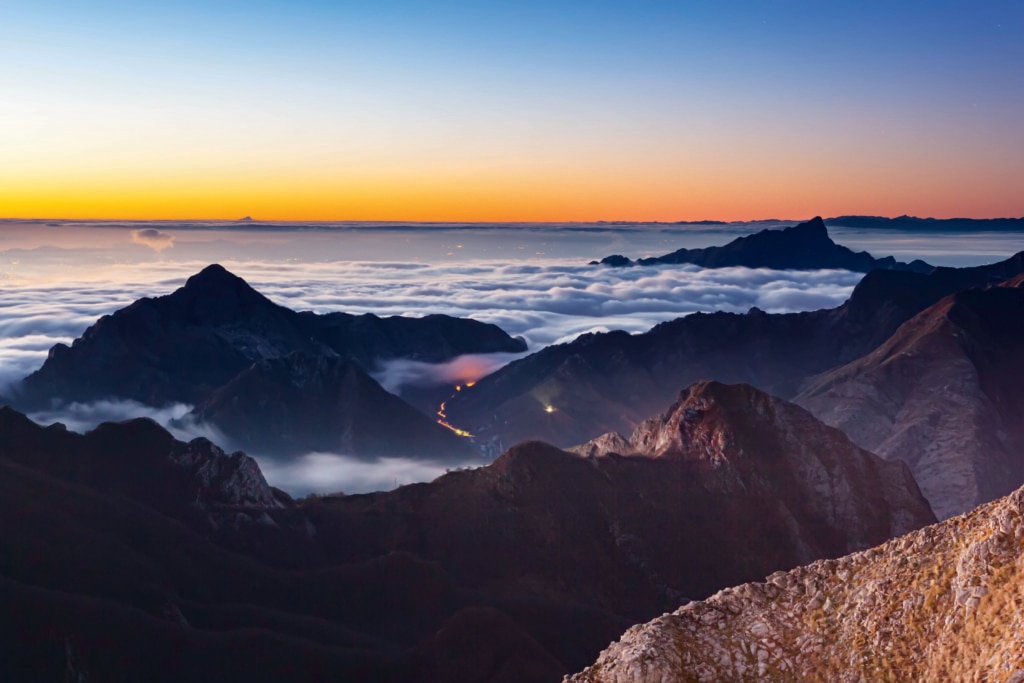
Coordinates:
<point>801,247</point>
<point>940,394</point>
<point>941,603</point>
<point>752,441</point>
<point>735,483</point>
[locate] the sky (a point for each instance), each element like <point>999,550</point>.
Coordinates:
<point>510,111</point>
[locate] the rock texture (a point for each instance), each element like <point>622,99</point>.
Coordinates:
<point>182,346</point>
<point>304,403</point>
<point>751,441</point>
<point>802,247</point>
<point>942,603</point>
<point>943,395</point>
<point>127,555</point>
<point>610,382</point>
<point>727,485</point>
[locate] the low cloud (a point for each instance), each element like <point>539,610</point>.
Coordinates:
<point>396,374</point>
<point>333,473</point>
<point>175,417</point>
<point>545,303</point>
<point>153,238</point>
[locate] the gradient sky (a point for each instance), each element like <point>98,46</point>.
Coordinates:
<point>509,111</point>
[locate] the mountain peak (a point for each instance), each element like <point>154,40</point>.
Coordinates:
<point>214,275</point>
<point>814,227</point>
<point>801,247</point>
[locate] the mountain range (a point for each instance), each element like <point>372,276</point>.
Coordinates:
<point>473,577</point>
<point>787,497</point>
<point>941,394</point>
<point>608,382</point>
<point>248,365</point>
<point>801,247</point>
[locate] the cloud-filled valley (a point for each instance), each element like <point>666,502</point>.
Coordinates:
<point>544,293</point>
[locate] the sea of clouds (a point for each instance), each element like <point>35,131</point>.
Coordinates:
<point>537,286</point>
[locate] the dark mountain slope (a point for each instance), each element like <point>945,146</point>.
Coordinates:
<point>519,571</point>
<point>109,582</point>
<point>303,403</point>
<point>610,382</point>
<point>181,346</point>
<point>740,483</point>
<point>802,247</point>
<point>942,394</point>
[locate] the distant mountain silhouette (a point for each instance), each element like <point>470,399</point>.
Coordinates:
<point>182,346</point>
<point>928,224</point>
<point>609,382</point>
<point>303,403</point>
<point>801,247</point>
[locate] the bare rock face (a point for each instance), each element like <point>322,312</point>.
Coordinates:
<point>750,441</point>
<point>942,395</point>
<point>726,486</point>
<point>941,603</point>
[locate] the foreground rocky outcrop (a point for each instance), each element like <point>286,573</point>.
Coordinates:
<point>943,603</point>
<point>941,394</point>
<point>802,247</point>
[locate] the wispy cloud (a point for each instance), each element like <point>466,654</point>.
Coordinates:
<point>153,238</point>
<point>333,473</point>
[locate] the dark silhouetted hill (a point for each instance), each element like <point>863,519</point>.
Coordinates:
<point>806,246</point>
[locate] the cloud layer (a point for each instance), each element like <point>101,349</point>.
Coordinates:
<point>533,283</point>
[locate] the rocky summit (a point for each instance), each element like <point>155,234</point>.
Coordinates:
<point>945,603</point>
<point>746,440</point>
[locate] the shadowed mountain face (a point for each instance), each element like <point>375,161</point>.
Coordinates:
<point>942,394</point>
<point>598,383</point>
<point>730,483</point>
<point>521,570</point>
<point>806,246</point>
<point>303,403</point>
<point>182,346</point>
<point>940,604</point>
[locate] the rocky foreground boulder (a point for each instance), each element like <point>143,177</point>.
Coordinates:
<point>943,603</point>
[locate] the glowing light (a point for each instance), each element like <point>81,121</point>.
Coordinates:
<point>442,420</point>
<point>549,409</point>
<point>458,388</point>
<point>469,384</point>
